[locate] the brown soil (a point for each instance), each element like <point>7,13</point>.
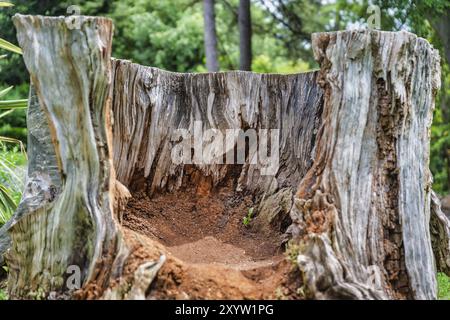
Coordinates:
<point>210,253</point>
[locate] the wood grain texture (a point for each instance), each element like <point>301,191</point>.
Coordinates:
<point>43,181</point>
<point>363,210</point>
<point>150,104</point>
<point>440,235</point>
<point>76,226</point>
<point>353,141</point>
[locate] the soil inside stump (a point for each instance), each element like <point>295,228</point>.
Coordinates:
<point>203,228</point>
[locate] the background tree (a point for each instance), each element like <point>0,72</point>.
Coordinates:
<point>245,35</point>
<point>212,62</point>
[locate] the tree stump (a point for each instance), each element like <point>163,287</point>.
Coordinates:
<point>336,164</point>
<point>65,218</point>
<point>363,209</point>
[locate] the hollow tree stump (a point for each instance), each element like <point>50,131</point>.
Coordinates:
<point>351,175</point>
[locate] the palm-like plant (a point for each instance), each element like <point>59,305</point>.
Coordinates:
<point>10,181</point>
<point>9,105</point>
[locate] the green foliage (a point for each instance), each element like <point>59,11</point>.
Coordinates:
<point>10,105</point>
<point>443,286</point>
<point>12,174</point>
<point>9,46</point>
<point>3,295</point>
<point>11,177</point>
<point>165,34</point>
<point>13,123</point>
<point>265,64</point>
<point>248,218</point>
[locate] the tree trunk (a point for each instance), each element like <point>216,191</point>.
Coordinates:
<point>348,163</point>
<point>363,209</point>
<point>212,61</point>
<point>440,235</point>
<point>245,35</point>
<point>65,221</point>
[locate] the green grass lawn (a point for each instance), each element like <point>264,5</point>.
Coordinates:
<point>444,287</point>
<point>3,295</point>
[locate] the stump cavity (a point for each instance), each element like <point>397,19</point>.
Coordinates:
<point>225,207</point>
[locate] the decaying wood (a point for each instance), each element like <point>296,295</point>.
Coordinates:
<point>143,278</point>
<point>66,220</point>
<point>363,209</point>
<point>353,138</point>
<point>440,235</point>
<point>43,181</point>
<point>150,104</point>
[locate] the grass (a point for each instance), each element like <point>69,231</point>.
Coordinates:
<point>3,295</point>
<point>443,286</point>
<point>248,218</point>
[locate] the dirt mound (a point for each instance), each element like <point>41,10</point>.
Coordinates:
<point>186,216</point>
<point>211,253</point>
<point>178,279</point>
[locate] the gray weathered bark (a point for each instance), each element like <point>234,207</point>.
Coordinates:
<point>150,105</point>
<point>212,60</point>
<point>363,209</point>
<point>440,235</point>
<point>43,181</point>
<point>353,136</point>
<point>65,218</point>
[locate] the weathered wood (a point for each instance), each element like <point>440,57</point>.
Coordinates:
<point>363,209</point>
<point>150,105</point>
<point>440,235</point>
<point>43,181</point>
<point>71,71</point>
<point>357,145</point>
<point>143,278</point>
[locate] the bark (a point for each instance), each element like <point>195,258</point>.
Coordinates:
<point>43,181</point>
<point>245,35</point>
<point>440,235</point>
<point>150,104</point>
<point>212,61</point>
<point>65,218</point>
<point>356,154</point>
<point>363,209</point>
<point>441,24</point>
